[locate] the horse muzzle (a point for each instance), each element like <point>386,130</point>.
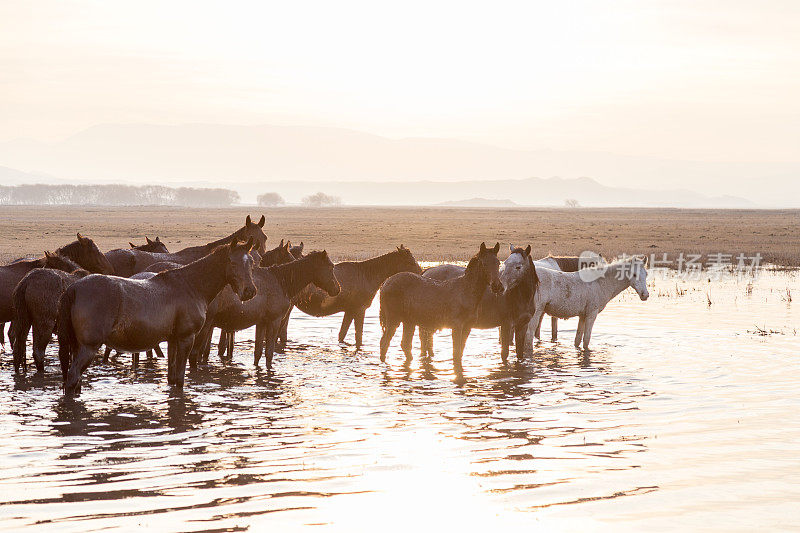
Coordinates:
<point>247,293</point>
<point>334,290</point>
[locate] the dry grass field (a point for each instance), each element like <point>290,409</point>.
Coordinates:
<point>431,233</point>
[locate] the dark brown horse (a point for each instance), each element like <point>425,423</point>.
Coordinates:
<point>277,256</point>
<point>83,251</point>
<point>35,306</point>
<point>132,261</point>
<point>297,250</point>
<point>277,286</point>
<point>360,280</point>
<point>135,315</point>
<point>510,311</point>
<point>414,300</point>
<point>120,258</point>
<point>144,275</point>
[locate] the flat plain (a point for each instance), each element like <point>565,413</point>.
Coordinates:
<point>432,233</point>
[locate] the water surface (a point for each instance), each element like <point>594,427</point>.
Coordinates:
<point>684,415</point>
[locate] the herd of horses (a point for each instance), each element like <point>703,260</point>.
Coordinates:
<point>132,299</point>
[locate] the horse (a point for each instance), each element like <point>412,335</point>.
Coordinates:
<point>564,264</point>
<point>510,311</point>
<point>132,261</point>
<point>120,258</point>
<point>135,315</point>
<point>277,256</point>
<point>277,286</point>
<point>585,293</point>
<point>415,300</point>
<point>35,306</point>
<point>297,250</point>
<point>83,251</point>
<point>360,280</point>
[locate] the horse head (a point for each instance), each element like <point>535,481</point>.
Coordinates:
<point>239,269</point>
<point>491,265</point>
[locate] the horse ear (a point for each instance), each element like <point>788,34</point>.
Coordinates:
<point>80,237</point>
<point>247,221</point>
<point>262,221</point>
<point>496,247</point>
<point>510,247</point>
<point>47,254</point>
<point>281,244</point>
<point>146,238</point>
<point>301,245</point>
<point>288,245</point>
<point>528,250</point>
<point>158,239</point>
<point>483,247</point>
<point>132,245</point>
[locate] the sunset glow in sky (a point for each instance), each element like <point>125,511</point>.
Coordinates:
<point>715,81</point>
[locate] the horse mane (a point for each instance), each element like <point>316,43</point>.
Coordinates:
<point>288,272</point>
<point>60,262</point>
<point>373,266</point>
<point>68,249</point>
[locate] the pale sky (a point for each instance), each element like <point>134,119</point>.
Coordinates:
<point>699,80</point>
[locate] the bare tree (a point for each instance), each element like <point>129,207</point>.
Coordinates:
<point>571,203</point>
<point>270,199</point>
<point>321,200</point>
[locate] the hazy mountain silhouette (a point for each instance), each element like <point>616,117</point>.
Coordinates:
<point>223,155</point>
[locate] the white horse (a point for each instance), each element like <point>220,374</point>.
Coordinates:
<point>584,293</point>
<point>564,264</point>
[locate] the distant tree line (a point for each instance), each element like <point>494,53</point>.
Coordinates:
<point>321,199</point>
<point>116,195</point>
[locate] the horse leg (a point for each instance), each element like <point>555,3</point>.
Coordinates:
<point>538,332</point>
<point>579,333</point>
<point>457,336</point>
<point>553,329</point>
<point>135,359</point>
<point>106,354</point>
<point>222,344</point>
<point>346,320</point>
<point>41,338</point>
<point>587,329</point>
<point>423,342</point>
<point>505,341</point>
<point>149,355</point>
<point>158,351</point>
<point>270,337</point>
<point>520,334</point>
<point>18,345</point>
<point>464,336</point>
<point>171,361</point>
<point>198,350</point>
<point>259,346</point>
<point>358,322</point>
<point>386,338</point>
<point>533,325</point>
<point>408,339</point>
<point>80,362</point>
<point>283,332</point>
<point>183,348</point>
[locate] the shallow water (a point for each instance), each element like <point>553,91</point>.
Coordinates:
<point>684,415</point>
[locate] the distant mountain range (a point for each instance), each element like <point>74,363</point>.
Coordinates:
<point>352,164</point>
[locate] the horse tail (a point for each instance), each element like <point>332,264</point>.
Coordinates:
<point>21,320</point>
<point>67,342</point>
<point>382,317</point>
